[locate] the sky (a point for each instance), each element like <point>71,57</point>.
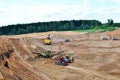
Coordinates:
<point>28,11</point>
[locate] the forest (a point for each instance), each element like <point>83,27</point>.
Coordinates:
<point>49,26</point>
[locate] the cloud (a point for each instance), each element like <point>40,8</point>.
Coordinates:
<point>86,10</point>
<point>116,1</point>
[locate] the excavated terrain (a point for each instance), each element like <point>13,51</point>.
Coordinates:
<point>97,56</point>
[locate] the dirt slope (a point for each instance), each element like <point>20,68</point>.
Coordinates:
<point>95,58</point>
<point>12,66</point>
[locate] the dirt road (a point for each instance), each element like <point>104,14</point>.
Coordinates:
<point>106,76</point>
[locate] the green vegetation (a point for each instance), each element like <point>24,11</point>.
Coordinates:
<point>72,25</point>
<point>116,24</point>
<point>49,26</point>
<point>91,30</point>
<point>105,27</point>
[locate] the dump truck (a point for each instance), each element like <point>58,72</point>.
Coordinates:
<point>61,61</point>
<point>64,60</point>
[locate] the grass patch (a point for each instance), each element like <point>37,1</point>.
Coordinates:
<point>96,30</point>
<point>103,28</point>
<point>90,30</point>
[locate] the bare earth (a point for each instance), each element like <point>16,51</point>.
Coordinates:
<point>95,59</point>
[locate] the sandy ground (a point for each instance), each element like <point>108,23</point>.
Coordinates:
<point>95,58</point>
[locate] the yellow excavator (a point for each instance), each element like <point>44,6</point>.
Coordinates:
<point>47,41</point>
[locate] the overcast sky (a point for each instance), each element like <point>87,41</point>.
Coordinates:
<point>27,11</point>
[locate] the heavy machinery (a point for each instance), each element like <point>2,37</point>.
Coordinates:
<point>46,54</point>
<point>70,58</point>
<point>59,59</point>
<point>114,38</point>
<point>47,41</point>
<point>64,60</point>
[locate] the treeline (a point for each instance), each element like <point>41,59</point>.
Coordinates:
<point>116,24</point>
<point>49,26</point>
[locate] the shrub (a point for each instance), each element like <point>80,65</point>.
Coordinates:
<point>111,28</point>
<point>103,30</point>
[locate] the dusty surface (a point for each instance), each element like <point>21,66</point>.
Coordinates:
<point>95,58</point>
